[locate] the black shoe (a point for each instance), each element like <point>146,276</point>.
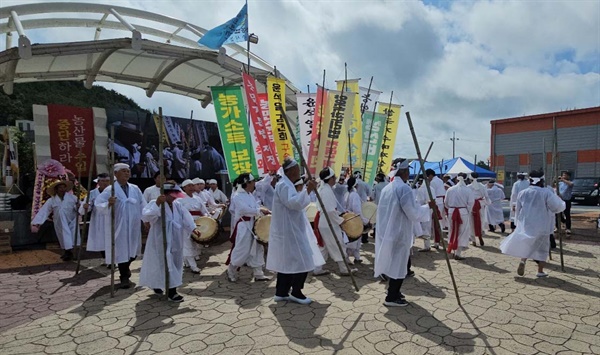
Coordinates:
<point>396,303</point>
<point>68,255</point>
<point>459,258</point>
<point>359,261</point>
<point>512,226</point>
<point>481,241</point>
<point>502,227</point>
<point>492,228</point>
<point>125,284</point>
<point>410,274</point>
<point>176,298</point>
<point>158,291</point>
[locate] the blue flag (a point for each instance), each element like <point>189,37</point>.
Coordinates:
<point>232,31</point>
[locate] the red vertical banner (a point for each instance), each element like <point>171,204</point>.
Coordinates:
<point>264,134</point>
<point>263,101</point>
<point>71,136</point>
<point>315,138</point>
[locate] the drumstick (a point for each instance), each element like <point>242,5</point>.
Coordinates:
<point>351,218</point>
<point>309,175</point>
<point>435,211</point>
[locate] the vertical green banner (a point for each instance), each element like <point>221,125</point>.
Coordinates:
<point>372,129</point>
<point>234,130</point>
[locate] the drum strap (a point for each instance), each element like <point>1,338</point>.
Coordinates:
<point>456,222</point>
<point>316,230</point>
<point>196,213</point>
<point>233,236</point>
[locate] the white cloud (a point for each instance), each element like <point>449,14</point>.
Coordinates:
<point>454,68</point>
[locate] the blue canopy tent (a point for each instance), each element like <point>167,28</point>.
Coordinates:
<point>452,167</point>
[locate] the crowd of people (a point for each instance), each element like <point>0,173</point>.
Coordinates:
<point>406,211</point>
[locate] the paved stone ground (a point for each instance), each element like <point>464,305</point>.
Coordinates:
<point>44,309</point>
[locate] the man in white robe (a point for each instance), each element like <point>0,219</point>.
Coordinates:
<point>293,250</point>
<point>439,192</point>
<point>495,215</point>
<point>354,205</point>
<point>362,188</point>
<point>396,213</point>
<point>245,248</point>
<point>152,192</point>
<point>329,246</point>
<point>98,236</point>
<point>459,202</point>
<point>535,214</point>
<point>265,189</point>
<point>178,225</point>
<point>479,212</point>
<point>217,194</point>
<point>191,249</point>
<point>128,204</point>
<point>340,190</point>
<point>63,207</point>
<point>519,185</point>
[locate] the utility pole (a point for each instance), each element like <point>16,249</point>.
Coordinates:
<point>454,139</point>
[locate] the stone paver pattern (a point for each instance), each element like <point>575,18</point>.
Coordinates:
<point>45,309</point>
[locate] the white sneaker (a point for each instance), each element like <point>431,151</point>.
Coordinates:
<point>232,278</point>
<point>281,298</point>
<point>568,231</point>
<point>541,274</point>
<point>299,300</point>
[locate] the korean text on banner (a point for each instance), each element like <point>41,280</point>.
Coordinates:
<point>366,97</point>
<point>263,136</point>
<point>233,128</point>
<point>315,136</point>
<point>392,113</point>
<point>354,132</point>
<point>276,92</point>
<point>71,136</point>
<point>335,125</point>
<point>373,126</point>
<point>306,115</point>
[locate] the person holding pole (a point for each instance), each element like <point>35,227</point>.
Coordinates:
<point>396,213</point>
<point>98,234</point>
<point>327,177</point>
<point>179,225</point>
<point>534,215</point>
<point>245,249</point>
<point>479,212</point>
<point>128,202</point>
<point>439,193</point>
<point>293,250</point>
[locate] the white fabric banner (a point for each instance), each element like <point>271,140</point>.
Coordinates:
<point>367,101</point>
<point>306,115</point>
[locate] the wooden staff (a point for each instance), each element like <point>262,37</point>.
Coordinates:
<point>435,210</point>
<point>308,174</point>
<point>112,212</point>
<point>422,164</point>
<point>558,215</point>
<point>161,134</point>
<point>86,230</point>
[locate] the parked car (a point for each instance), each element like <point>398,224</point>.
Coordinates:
<point>586,190</point>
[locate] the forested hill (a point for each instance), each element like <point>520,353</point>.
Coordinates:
<point>73,93</point>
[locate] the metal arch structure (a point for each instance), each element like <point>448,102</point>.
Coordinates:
<point>177,65</point>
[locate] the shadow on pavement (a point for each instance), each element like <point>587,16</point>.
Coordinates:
<point>553,282</point>
<point>479,263</point>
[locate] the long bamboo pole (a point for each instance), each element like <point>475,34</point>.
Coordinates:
<point>86,229</point>
<point>112,212</point>
<point>435,211</point>
<point>558,216</point>
<point>161,134</point>
<point>422,170</point>
<point>309,175</point>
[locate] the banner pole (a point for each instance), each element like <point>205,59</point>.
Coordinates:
<point>162,192</point>
<point>559,229</point>
<point>112,211</point>
<point>422,170</point>
<point>435,210</point>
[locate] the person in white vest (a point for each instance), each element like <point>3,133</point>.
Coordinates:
<point>495,215</point>
<point>330,247</point>
<point>535,215</point>
<point>479,212</point>
<point>179,224</point>
<point>128,204</point>
<point>63,207</point>
<point>245,249</point>
<point>191,249</point>
<point>217,194</point>
<point>98,236</point>
<point>293,250</point>
<point>459,202</point>
<point>521,184</point>
<point>397,212</point>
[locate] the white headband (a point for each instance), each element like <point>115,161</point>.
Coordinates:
<point>120,166</point>
<point>290,164</point>
<point>248,179</point>
<point>331,173</point>
<point>535,180</point>
<point>187,182</point>
<point>197,181</point>
<point>402,165</point>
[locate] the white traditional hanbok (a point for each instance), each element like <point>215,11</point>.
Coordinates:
<point>128,217</point>
<point>536,210</point>
<point>396,213</point>
<point>517,187</point>
<point>98,236</point>
<point>179,225</point>
<point>292,244</point>
<point>354,205</point>
<point>151,193</point>
<point>495,215</point>
<point>482,200</point>
<point>191,249</point>
<point>330,203</point>
<point>439,193</point>
<point>64,216</point>
<point>459,202</point>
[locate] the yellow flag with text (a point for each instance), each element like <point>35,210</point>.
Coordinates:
<point>281,135</point>
<point>392,113</point>
<point>354,131</point>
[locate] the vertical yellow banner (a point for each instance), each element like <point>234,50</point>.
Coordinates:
<point>276,94</point>
<point>392,112</point>
<point>334,130</point>
<point>354,131</point>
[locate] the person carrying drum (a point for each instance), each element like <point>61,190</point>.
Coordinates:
<point>293,250</point>
<point>354,205</point>
<point>245,249</point>
<point>191,249</point>
<point>179,225</point>
<point>327,177</point>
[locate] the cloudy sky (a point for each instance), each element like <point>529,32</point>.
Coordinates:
<point>454,65</point>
